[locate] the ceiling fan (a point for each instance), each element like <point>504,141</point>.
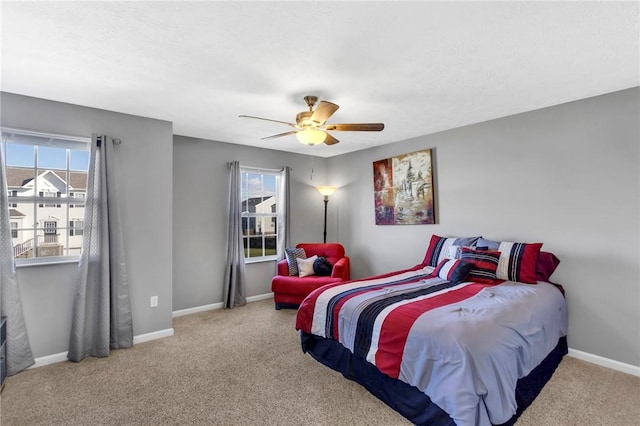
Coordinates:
<point>311,127</point>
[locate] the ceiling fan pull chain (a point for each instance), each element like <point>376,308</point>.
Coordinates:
<point>311,177</point>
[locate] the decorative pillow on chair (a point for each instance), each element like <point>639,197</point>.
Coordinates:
<point>439,248</point>
<point>517,261</point>
<point>484,264</point>
<point>292,254</point>
<point>454,270</point>
<point>305,266</point>
<point>322,267</point>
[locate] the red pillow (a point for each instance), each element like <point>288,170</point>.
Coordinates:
<point>518,260</point>
<point>484,264</point>
<point>547,263</point>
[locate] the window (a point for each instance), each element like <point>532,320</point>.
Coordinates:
<point>42,173</point>
<point>79,195</point>
<point>13,194</point>
<point>75,227</point>
<point>49,194</point>
<point>259,197</point>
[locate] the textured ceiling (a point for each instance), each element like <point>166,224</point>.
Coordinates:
<point>419,67</point>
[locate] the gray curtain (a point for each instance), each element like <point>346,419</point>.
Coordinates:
<point>102,310</point>
<point>18,354</point>
<point>234,272</point>
<point>284,218</point>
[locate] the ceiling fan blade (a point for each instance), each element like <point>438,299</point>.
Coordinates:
<point>323,112</point>
<point>357,127</point>
<point>330,140</point>
<point>267,119</point>
<point>279,135</point>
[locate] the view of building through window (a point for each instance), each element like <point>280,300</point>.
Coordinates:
<point>46,178</point>
<point>259,197</point>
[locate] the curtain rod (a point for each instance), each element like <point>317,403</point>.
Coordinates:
<point>44,135</point>
<point>257,168</point>
<point>116,141</point>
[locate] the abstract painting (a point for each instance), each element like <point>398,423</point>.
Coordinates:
<point>403,189</point>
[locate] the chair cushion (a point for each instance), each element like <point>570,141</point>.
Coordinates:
<point>299,286</point>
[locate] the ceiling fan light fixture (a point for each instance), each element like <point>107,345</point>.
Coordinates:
<point>311,136</point>
<point>304,118</point>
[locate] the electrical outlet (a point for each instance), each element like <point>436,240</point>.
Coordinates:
<point>154,302</point>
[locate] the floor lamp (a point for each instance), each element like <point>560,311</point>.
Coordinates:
<point>326,191</point>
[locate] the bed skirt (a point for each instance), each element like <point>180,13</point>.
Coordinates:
<point>408,400</point>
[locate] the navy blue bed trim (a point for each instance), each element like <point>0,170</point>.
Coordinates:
<point>408,400</point>
<point>528,388</point>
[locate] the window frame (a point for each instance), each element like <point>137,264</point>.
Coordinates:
<point>40,201</point>
<point>249,218</point>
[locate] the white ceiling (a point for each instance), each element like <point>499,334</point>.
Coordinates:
<point>419,67</point>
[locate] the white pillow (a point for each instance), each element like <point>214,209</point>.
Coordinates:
<point>305,266</point>
<point>453,252</point>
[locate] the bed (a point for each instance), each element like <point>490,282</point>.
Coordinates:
<point>441,349</point>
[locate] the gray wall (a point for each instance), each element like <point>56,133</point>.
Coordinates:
<point>144,165</point>
<point>201,187</point>
<point>567,176</point>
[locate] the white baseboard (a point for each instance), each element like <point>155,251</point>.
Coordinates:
<point>50,359</point>
<point>62,356</point>
<point>605,362</point>
<point>260,297</point>
<point>154,335</point>
<point>218,305</point>
<point>197,309</point>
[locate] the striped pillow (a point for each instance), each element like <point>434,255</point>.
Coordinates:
<point>439,248</point>
<point>454,270</point>
<point>517,261</point>
<point>292,254</point>
<point>484,264</point>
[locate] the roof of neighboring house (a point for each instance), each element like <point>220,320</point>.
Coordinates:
<point>20,176</point>
<point>252,202</point>
<point>15,213</point>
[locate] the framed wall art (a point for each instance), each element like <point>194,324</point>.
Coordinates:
<point>403,189</point>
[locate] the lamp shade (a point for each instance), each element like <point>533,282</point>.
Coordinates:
<point>311,136</point>
<point>326,190</point>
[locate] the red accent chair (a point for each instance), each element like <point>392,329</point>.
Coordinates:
<point>290,290</point>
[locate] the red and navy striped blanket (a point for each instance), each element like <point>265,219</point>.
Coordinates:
<point>464,345</point>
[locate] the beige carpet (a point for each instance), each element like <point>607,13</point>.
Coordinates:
<point>245,366</point>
